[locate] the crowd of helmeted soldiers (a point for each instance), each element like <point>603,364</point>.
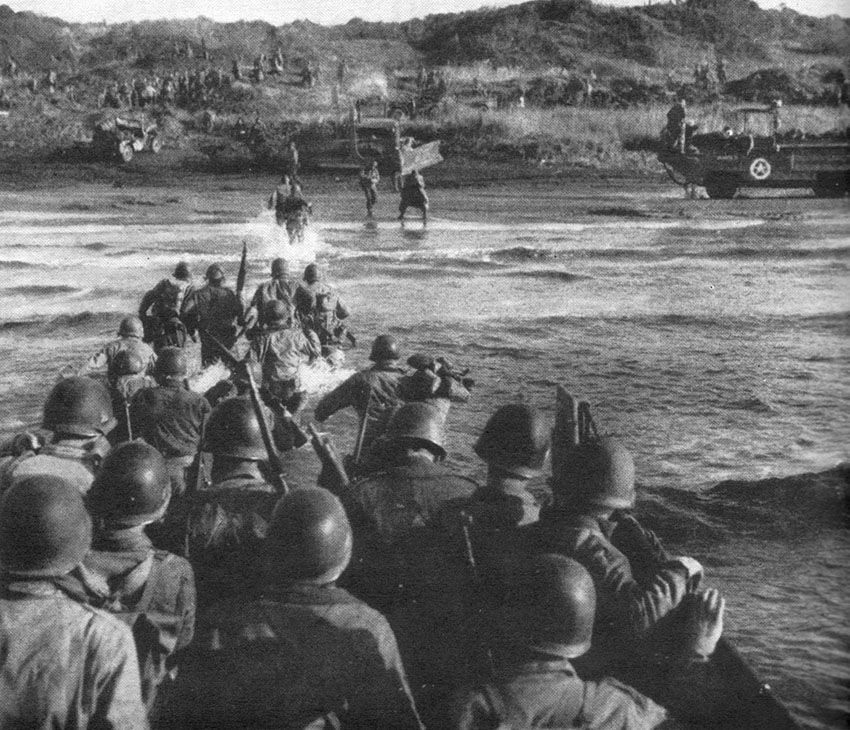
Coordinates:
<point>158,570</point>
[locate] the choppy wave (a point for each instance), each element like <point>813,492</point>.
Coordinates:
<point>40,289</point>
<point>81,320</point>
<point>773,508</point>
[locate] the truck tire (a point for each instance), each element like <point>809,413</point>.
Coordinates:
<point>156,145</point>
<point>720,187</point>
<point>125,151</point>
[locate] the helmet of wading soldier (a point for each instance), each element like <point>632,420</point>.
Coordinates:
<point>419,425</point>
<point>515,440</point>
<point>384,348</point>
<point>599,474</point>
<point>309,538</point>
<point>276,311</point>
<point>45,530</point>
<point>552,604</point>
<point>311,273</point>
<point>132,487</point>
<point>214,273</point>
<point>181,271</point>
<point>170,363</point>
<point>279,268</point>
<point>79,406</point>
<point>131,327</point>
<point>128,362</point>
<point>233,430</point>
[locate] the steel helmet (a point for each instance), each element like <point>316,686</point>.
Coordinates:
<point>309,538</point>
<point>131,327</point>
<point>45,530</point>
<point>233,431</point>
<point>128,362</point>
<point>170,363</point>
<point>276,311</point>
<point>181,271</point>
<point>78,406</point>
<point>384,348</point>
<point>555,603</point>
<point>311,273</point>
<point>132,486</point>
<point>279,268</point>
<point>600,474</point>
<point>515,440</point>
<point>418,424</point>
<point>215,273</point>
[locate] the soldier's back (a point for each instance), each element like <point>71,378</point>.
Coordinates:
<point>226,527</point>
<point>64,664</point>
<point>299,654</point>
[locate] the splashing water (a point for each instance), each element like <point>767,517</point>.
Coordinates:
<point>321,377</point>
<point>205,379</point>
<point>271,241</point>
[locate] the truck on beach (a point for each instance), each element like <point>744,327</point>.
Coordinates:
<point>757,154</point>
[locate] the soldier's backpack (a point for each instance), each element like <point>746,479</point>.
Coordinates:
<point>168,300</point>
<point>155,627</point>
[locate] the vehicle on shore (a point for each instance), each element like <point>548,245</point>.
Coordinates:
<point>122,137</point>
<point>758,155</point>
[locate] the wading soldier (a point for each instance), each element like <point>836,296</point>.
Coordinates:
<point>130,334</point>
<point>170,417</point>
<point>160,309</point>
<point>279,288</point>
<point>79,413</point>
<point>212,309</point>
<point>320,309</point>
<point>373,392</point>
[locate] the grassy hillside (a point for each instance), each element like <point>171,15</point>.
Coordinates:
<point>488,64</point>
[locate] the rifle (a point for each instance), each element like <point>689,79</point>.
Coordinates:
<point>334,478</point>
<point>466,520</point>
<point>361,431</point>
<point>243,270</point>
<point>240,283</point>
<point>273,457</point>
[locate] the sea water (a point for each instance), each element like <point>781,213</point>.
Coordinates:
<point>715,346</point>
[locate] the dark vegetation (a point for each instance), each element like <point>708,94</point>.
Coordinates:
<point>543,51</point>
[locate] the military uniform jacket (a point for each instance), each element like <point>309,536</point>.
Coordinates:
<point>152,591</point>
<point>373,392</point>
<point>169,418</point>
<point>303,653</point>
<point>226,528</point>
<point>212,308</point>
<point>318,305</point>
<point>72,463</point>
<point>549,694</point>
<point>106,356</point>
<point>281,352</point>
<point>65,665</point>
<point>281,290</point>
<point>626,607</point>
